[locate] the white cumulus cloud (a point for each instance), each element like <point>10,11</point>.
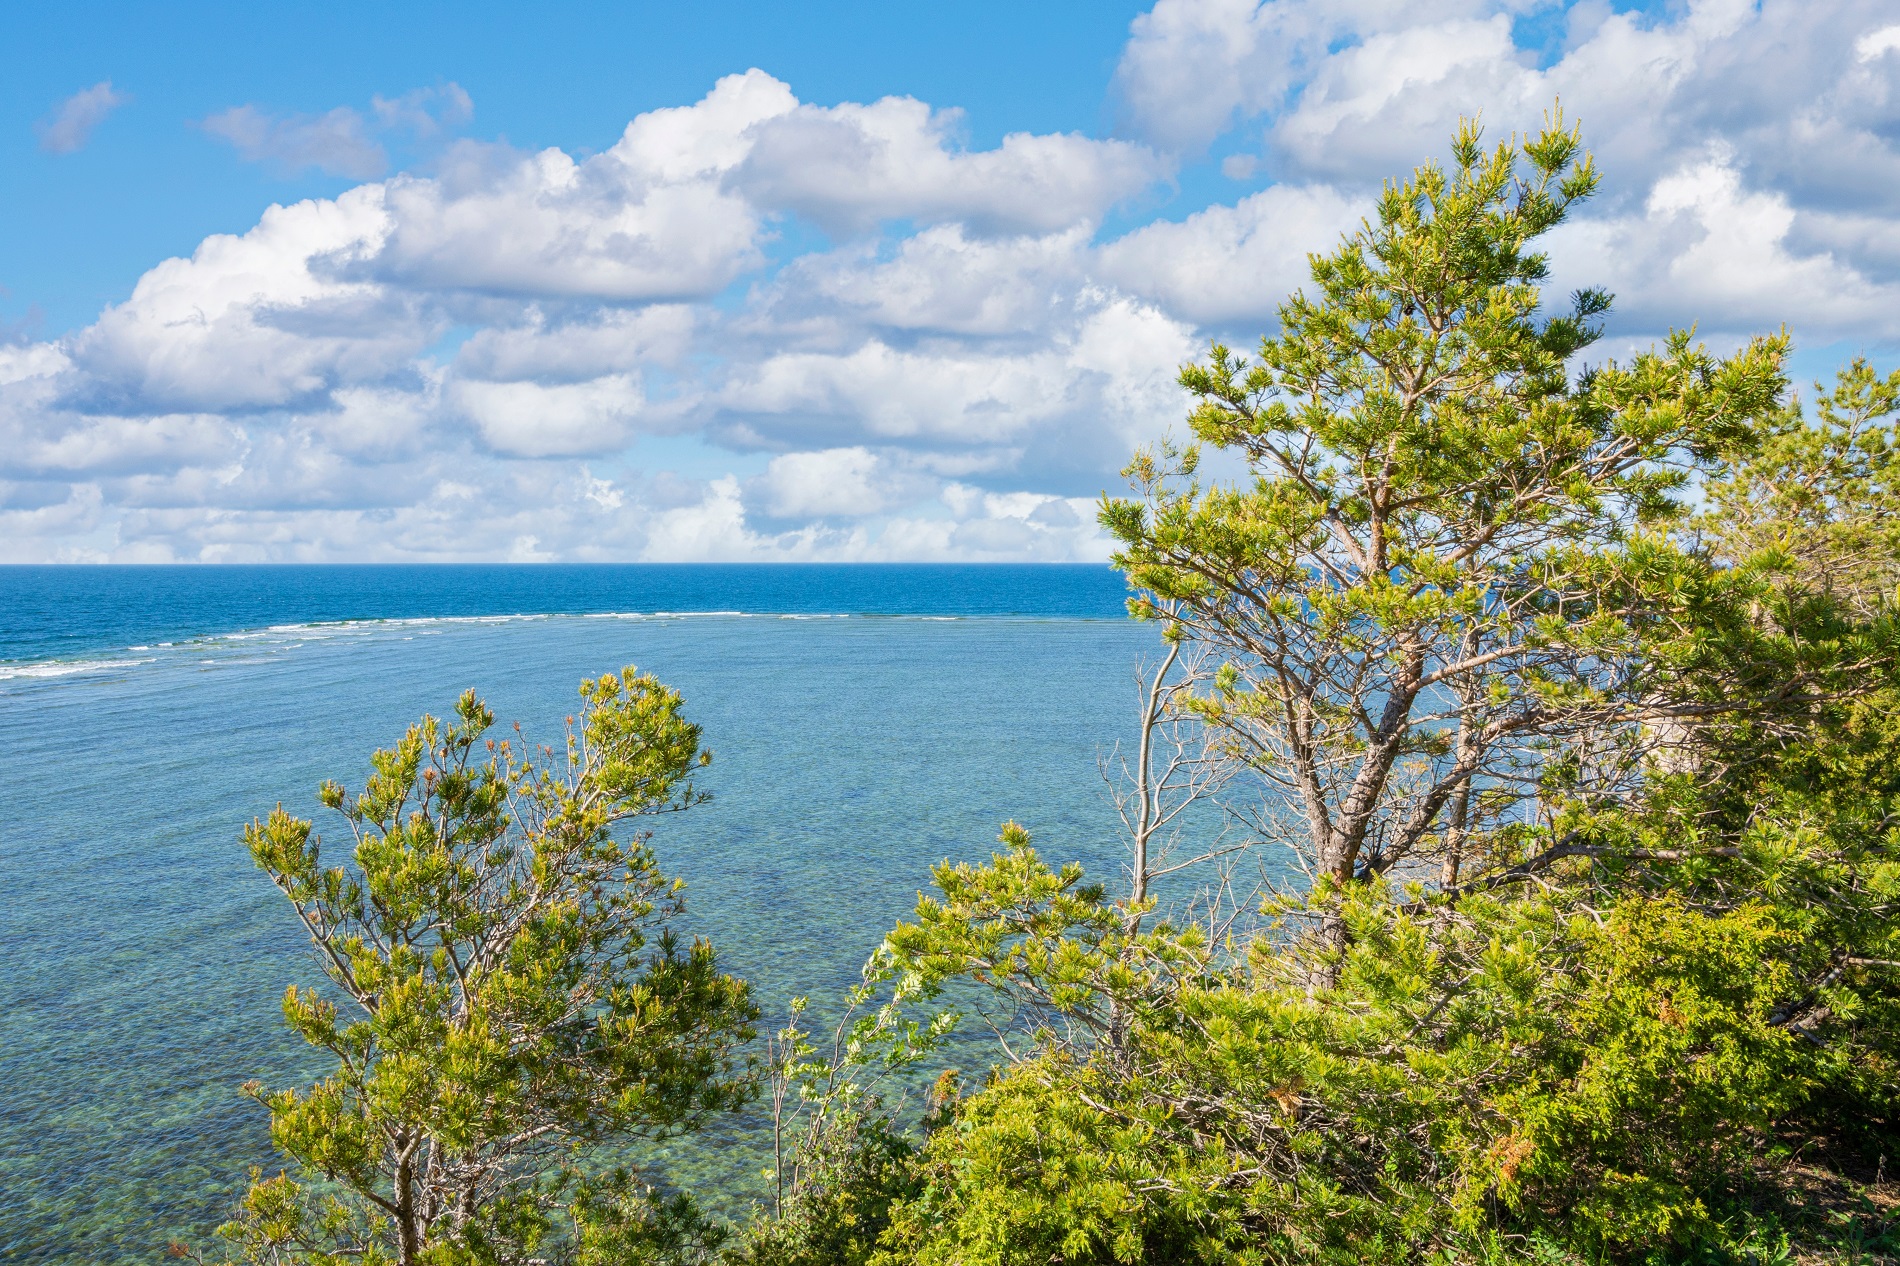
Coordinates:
<point>763,328</point>
<point>256,320</point>
<point>532,419</point>
<point>1233,264</point>
<point>849,166</point>
<point>1802,99</point>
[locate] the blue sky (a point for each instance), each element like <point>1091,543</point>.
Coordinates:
<point>815,281</point>
<point>77,230</point>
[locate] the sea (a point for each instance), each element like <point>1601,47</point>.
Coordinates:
<point>866,723</point>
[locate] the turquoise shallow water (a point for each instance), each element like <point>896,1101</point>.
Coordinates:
<point>142,958</point>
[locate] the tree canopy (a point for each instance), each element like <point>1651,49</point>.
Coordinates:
<point>509,994</point>
<point>1571,687</point>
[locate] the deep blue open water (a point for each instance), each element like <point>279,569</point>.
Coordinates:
<point>866,722</point>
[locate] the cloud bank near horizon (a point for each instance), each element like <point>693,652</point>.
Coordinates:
<point>763,328</point>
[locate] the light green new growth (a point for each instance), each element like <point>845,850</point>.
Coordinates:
<point>507,994</point>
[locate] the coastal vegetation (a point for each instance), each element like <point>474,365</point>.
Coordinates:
<point>1513,856</point>
<point>510,994</point>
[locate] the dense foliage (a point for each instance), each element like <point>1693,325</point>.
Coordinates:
<point>1595,798</point>
<point>502,1005</point>
<point>1543,724</point>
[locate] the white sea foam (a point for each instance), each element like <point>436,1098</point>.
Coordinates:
<point>286,637</point>
<point>66,667</point>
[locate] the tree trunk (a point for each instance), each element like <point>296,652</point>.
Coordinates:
<point>1458,815</point>
<point>408,1224</point>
